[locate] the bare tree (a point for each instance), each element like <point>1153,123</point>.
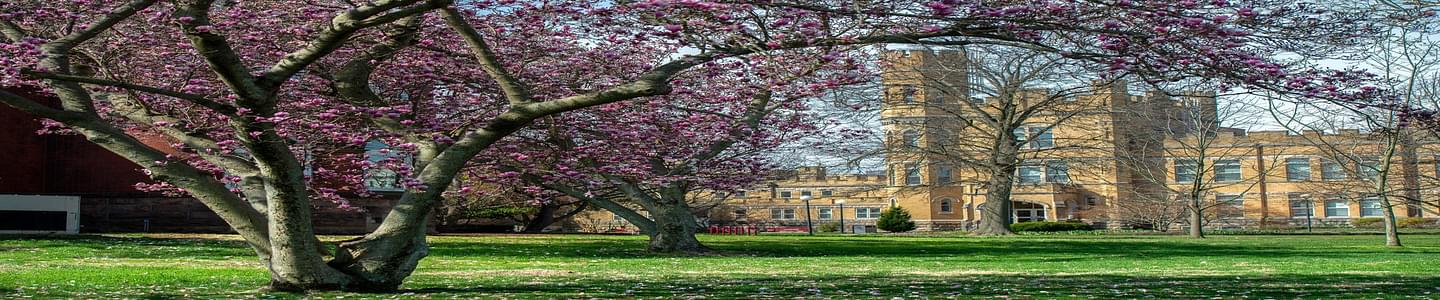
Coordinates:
<point>1186,154</point>
<point>990,113</point>
<point>1377,147</point>
<point>1362,158</point>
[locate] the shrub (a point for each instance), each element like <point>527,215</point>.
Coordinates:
<point>1415,223</point>
<point>1049,226</point>
<point>828,227</point>
<point>1368,222</point>
<point>895,219</point>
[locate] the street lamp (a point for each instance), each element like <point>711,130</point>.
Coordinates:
<point>841,202</point>
<point>1310,208</point>
<point>810,226</point>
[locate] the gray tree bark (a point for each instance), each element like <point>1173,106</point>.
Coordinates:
<point>995,217</point>
<point>675,229</point>
<point>1197,218</point>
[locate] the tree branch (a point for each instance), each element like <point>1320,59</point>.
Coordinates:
<point>33,108</point>
<point>221,57</point>
<point>64,44</point>
<point>201,100</point>
<point>340,29</point>
<point>515,90</point>
<point>12,31</point>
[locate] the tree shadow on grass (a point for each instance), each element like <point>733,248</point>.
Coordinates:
<point>1047,249</point>
<point>572,246</point>
<point>134,247</point>
<point>967,286</point>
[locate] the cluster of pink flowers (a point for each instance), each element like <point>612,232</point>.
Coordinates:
<point>433,90</point>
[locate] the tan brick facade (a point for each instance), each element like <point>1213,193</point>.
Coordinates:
<point>943,196</point>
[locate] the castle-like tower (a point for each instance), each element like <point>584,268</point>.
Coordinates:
<point>1099,147</point>
<point>928,97</point>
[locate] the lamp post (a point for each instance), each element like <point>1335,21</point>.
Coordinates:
<point>809,225</point>
<point>841,202</point>
<point>1310,207</point>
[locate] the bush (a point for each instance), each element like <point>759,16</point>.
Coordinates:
<point>1049,226</point>
<point>1368,222</point>
<point>1415,223</point>
<point>895,219</point>
<point>828,227</point>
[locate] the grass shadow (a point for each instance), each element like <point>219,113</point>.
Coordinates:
<point>969,286</point>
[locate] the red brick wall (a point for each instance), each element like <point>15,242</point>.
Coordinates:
<point>57,164</point>
<point>70,165</point>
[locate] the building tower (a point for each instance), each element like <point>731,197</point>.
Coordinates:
<point>922,89</point>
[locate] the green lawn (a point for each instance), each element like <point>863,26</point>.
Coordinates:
<point>579,266</point>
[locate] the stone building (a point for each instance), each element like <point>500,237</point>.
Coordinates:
<point>1115,148</point>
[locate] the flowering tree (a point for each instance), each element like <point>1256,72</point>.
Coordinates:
<point>661,155</point>
<point>253,92</point>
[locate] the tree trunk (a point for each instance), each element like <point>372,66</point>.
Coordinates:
<point>675,229</point>
<point>1197,222</point>
<point>296,264</point>
<point>995,215</point>
<point>381,260</point>
<point>543,218</point>
<point>1392,232</point>
<point>376,265</point>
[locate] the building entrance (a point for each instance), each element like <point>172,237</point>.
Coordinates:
<point>1029,212</point>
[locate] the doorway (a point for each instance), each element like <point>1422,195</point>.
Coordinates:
<point>1029,212</point>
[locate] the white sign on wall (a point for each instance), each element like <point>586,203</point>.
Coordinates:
<point>25,214</point>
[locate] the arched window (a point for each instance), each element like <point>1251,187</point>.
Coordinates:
<point>947,206</point>
<point>911,138</point>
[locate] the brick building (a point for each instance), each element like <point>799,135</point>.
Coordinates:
<point>1122,148</point>
<point>68,165</point>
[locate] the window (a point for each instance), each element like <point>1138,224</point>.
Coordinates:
<point>1368,168</point>
<point>1044,139</point>
<point>890,174</point>
<point>1057,171</point>
<point>1030,174</point>
<point>825,213</point>
<point>826,193</point>
<point>785,194</point>
<point>945,176</point>
<point>804,193</point>
<point>1185,170</point>
<point>912,174</point>
<point>946,206</point>
<point>782,213</point>
<point>1091,201</point>
<point>741,214</point>
<point>1227,170</point>
<point>1337,208</point>
<point>740,193</point>
<point>1370,207</point>
<point>1331,170</point>
<point>1034,138</point>
<point>907,94</point>
<point>1231,206</point>
<point>1297,169</point>
<point>381,176</point>
<point>1300,206</point>
<point>911,138</point>
<point>867,212</point>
